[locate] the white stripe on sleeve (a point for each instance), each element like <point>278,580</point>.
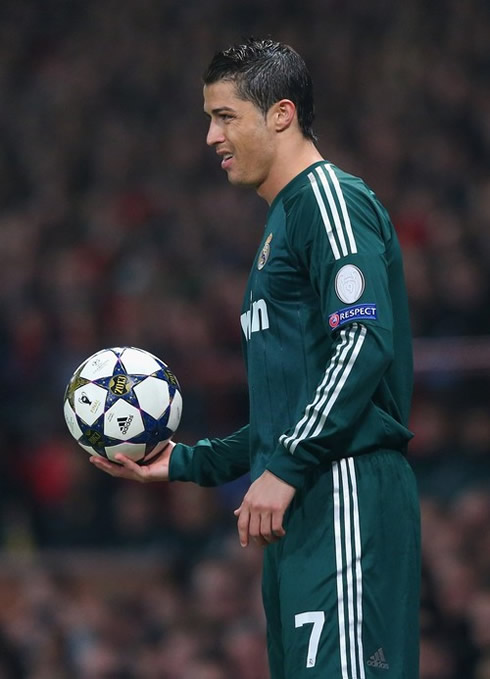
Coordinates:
<point>343,207</point>
<point>327,393</point>
<point>323,212</point>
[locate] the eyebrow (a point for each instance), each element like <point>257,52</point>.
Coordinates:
<point>220,109</point>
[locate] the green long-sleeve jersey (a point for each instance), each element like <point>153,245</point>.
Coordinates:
<point>326,338</point>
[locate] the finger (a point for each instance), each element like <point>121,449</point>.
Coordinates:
<point>119,468</point>
<point>243,526</point>
<point>266,527</point>
<point>254,526</point>
<point>277,527</point>
<point>259,530</point>
<point>106,466</point>
<point>129,464</point>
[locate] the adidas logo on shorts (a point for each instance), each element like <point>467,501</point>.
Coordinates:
<point>378,660</point>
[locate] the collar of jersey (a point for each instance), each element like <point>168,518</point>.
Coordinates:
<point>293,184</point>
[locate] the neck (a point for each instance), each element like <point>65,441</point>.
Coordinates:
<point>289,162</point>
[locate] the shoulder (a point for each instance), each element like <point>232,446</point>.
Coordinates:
<point>332,204</point>
<point>352,199</point>
<point>326,188</point>
<point>326,196</point>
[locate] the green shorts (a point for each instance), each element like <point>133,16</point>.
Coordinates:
<point>341,589</point>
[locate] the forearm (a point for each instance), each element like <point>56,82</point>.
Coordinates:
<point>211,462</point>
<point>329,422</point>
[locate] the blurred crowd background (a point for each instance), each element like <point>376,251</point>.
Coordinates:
<point>117,227</point>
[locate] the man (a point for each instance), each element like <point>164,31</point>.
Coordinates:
<point>328,352</point>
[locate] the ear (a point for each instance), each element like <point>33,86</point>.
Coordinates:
<point>283,113</point>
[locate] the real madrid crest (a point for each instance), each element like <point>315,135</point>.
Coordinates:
<point>264,255</point>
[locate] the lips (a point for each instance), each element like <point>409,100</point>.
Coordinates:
<point>226,159</point>
<point>226,162</point>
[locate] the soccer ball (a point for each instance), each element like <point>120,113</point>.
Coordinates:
<point>123,400</point>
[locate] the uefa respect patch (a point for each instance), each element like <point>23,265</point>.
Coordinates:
<point>353,313</point>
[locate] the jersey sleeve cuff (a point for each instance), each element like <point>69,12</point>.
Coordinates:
<point>287,467</point>
<point>180,464</point>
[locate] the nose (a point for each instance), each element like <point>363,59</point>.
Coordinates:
<point>215,134</point>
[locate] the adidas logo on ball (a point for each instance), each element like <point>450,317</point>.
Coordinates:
<point>124,423</point>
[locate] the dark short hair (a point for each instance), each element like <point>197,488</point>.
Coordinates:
<point>264,72</point>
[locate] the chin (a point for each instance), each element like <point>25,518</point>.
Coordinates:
<point>242,181</point>
<point>236,181</point>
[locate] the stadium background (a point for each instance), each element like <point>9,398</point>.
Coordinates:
<point>118,227</point>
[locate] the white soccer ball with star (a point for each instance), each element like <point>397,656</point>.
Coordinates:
<point>123,400</point>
